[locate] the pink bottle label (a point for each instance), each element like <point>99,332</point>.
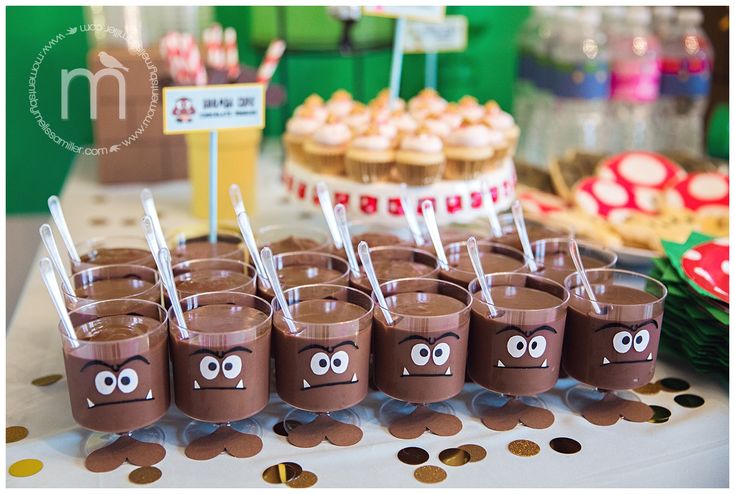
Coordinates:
<point>635,80</point>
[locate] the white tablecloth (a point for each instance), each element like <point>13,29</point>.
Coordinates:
<point>691,449</point>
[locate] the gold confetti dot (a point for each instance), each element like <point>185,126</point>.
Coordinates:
<point>145,475</point>
<point>565,445</point>
<point>413,456</point>
<point>282,472</point>
<point>282,428</point>
<point>99,199</point>
<point>129,221</point>
<point>673,384</point>
<point>306,479</point>
<point>689,401</point>
<point>15,433</point>
<point>476,452</point>
<point>524,447</point>
<point>660,414</point>
<point>98,221</point>
<point>430,474</point>
<point>454,457</point>
<point>46,380</point>
<point>648,389</point>
<point>25,468</point>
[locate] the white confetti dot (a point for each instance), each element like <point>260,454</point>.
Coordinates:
<point>725,266</point>
<point>708,187</point>
<point>610,193</point>
<point>693,255</point>
<point>587,202</point>
<point>642,169</point>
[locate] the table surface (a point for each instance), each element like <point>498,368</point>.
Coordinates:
<point>691,449</point>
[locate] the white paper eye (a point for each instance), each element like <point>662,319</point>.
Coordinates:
<point>209,367</point>
<point>320,363</point>
<point>640,342</point>
<point>420,354</point>
<point>516,346</point>
<point>340,361</point>
<point>537,346</point>
<point>441,354</point>
<point>127,380</point>
<point>231,366</point>
<point>622,341</point>
<point>105,382</point>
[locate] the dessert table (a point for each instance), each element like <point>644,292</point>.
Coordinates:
<point>691,449</point>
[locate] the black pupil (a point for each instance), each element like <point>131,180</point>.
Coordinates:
<point>438,352</point>
<point>534,345</point>
<point>424,352</point>
<point>337,362</point>
<point>323,362</point>
<point>125,380</point>
<point>108,381</point>
<point>212,366</point>
<point>626,340</point>
<point>228,366</point>
<point>638,339</point>
<point>519,346</point>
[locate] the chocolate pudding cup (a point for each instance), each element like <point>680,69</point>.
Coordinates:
<point>517,352</point>
<point>537,230</point>
<point>495,258</point>
<point>392,262</point>
<point>117,368</point>
<point>102,251</point>
<point>451,234</point>
<point>554,261</point>
<point>113,281</point>
<point>185,247</point>
<point>376,235</point>
<point>323,366</point>
<point>306,268</point>
<point>293,238</point>
<point>221,361</point>
<point>213,275</point>
<point>617,349</point>
<point>421,357</point>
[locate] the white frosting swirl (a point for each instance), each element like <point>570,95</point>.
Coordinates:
<point>302,126</point>
<point>405,123</point>
<point>471,136</point>
<point>372,142</point>
<point>500,120</point>
<point>332,134</point>
<point>437,127</point>
<point>422,143</point>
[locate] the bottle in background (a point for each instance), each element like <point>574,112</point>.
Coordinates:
<point>664,19</point>
<point>613,17</point>
<point>581,86</point>
<point>685,84</point>
<point>635,77</point>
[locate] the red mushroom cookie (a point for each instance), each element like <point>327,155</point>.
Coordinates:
<point>540,203</point>
<point>612,200</point>
<point>641,169</point>
<point>703,193</point>
<point>708,265</point>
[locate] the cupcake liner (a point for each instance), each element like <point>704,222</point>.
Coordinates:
<point>294,149</point>
<point>368,172</point>
<point>495,161</point>
<point>465,169</point>
<point>413,174</point>
<point>328,164</point>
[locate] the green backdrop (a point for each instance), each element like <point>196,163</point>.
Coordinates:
<point>36,167</point>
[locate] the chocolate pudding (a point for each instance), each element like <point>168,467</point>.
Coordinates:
<point>617,349</point>
<point>213,275</point>
<point>555,262</point>
<point>495,258</point>
<point>117,370</point>
<point>221,370</point>
<point>227,246</point>
<point>421,358</point>
<point>392,263</point>
<point>292,238</point>
<point>536,231</point>
<point>113,281</point>
<point>450,235</point>
<point>292,244</point>
<point>517,352</point>
<point>323,367</point>
<point>306,268</point>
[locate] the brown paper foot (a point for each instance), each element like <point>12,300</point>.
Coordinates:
<point>425,419</point>
<point>507,417</point>
<point>124,449</point>
<point>611,408</point>
<point>226,439</point>
<point>323,428</point>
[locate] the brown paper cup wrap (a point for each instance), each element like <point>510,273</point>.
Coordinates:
<point>464,169</point>
<point>368,172</point>
<point>294,148</point>
<point>327,163</point>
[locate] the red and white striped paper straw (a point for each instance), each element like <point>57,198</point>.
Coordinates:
<point>270,62</point>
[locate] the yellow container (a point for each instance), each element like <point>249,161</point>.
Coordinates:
<point>237,164</point>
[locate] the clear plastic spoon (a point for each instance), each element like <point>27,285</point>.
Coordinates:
<point>325,201</point>
<point>167,277</point>
<point>430,219</point>
<point>517,210</point>
<point>477,265</point>
<point>54,205</point>
<point>270,268</point>
<point>49,279</point>
<point>149,206</point>
<point>48,241</point>
<point>243,221</point>
<point>236,198</point>
<point>577,260</point>
<point>341,215</point>
<point>409,212</point>
<point>367,263</point>
<point>492,215</point>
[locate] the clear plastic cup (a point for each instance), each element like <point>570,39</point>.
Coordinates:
<point>554,261</point>
<point>392,262</point>
<point>293,238</point>
<point>193,243</point>
<point>214,275</point>
<point>101,251</point>
<point>306,268</point>
<point>113,281</point>
<point>495,258</point>
<point>537,230</point>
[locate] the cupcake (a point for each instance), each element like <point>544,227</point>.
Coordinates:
<point>370,157</point>
<point>497,119</point>
<point>420,159</point>
<point>427,102</point>
<point>470,109</point>
<point>382,100</point>
<point>315,104</point>
<point>451,116</point>
<point>359,119</point>
<point>298,128</point>
<point>405,123</point>
<point>437,127</point>
<point>469,150</point>
<point>340,104</point>
<point>325,150</point>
